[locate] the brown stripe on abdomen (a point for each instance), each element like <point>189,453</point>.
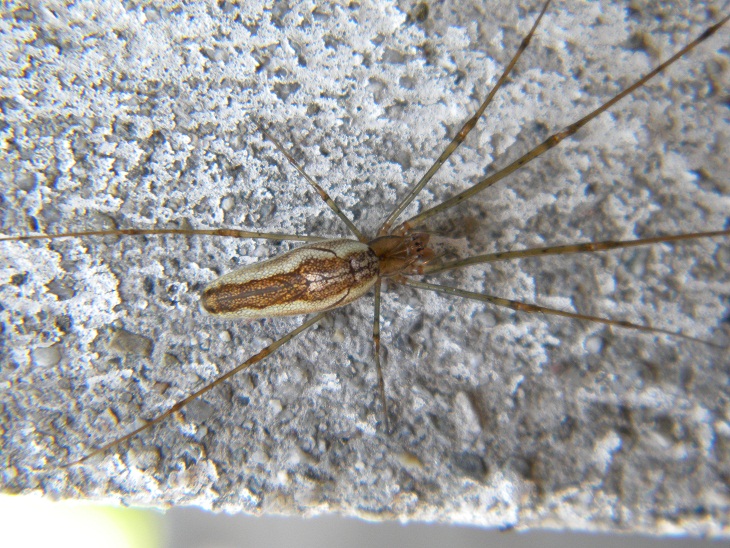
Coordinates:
<point>308,279</point>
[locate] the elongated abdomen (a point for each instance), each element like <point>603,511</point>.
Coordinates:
<point>311,278</point>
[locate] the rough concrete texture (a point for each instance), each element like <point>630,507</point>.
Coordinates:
<point>140,116</point>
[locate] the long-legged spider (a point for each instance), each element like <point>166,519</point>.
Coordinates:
<point>531,347</point>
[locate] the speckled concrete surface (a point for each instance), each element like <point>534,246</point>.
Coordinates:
<point>116,115</point>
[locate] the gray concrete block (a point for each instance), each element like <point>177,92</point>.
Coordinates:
<point>131,116</point>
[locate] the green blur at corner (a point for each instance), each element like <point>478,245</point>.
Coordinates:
<point>35,521</point>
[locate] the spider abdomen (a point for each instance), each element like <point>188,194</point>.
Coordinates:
<point>311,278</point>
